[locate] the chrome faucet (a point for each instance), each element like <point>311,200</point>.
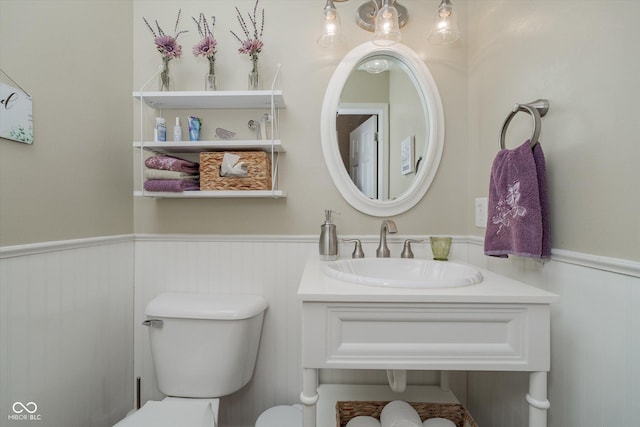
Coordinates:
<point>388,226</point>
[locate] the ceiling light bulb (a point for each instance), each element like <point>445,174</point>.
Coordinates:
<point>331,29</point>
<point>387,29</point>
<point>445,28</point>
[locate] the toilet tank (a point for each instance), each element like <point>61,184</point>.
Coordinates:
<point>205,345</point>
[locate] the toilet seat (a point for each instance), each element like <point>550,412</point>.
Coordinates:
<point>281,416</point>
<point>173,411</point>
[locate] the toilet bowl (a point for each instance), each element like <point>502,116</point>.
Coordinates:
<point>281,416</point>
<point>203,347</point>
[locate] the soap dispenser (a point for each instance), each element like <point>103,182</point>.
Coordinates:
<point>328,238</point>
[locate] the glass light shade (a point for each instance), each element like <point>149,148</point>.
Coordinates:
<point>387,30</point>
<point>445,28</point>
<point>331,27</point>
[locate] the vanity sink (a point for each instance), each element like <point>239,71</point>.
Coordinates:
<point>403,272</point>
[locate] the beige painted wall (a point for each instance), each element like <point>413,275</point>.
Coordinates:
<point>582,56</point>
<point>75,59</point>
<point>291,29</point>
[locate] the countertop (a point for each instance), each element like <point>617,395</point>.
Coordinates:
<point>315,286</point>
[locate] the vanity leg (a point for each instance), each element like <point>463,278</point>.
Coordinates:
<point>309,396</point>
<point>537,398</point>
<point>445,383</point>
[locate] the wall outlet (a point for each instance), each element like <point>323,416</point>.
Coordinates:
<point>481,212</point>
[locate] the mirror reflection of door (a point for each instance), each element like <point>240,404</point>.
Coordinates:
<point>349,118</point>
<point>363,157</point>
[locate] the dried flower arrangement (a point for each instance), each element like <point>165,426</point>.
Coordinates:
<point>252,44</point>
<point>167,46</point>
<point>206,47</point>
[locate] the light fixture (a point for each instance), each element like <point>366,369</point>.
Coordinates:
<point>384,18</point>
<point>331,29</point>
<point>445,28</point>
<point>387,29</point>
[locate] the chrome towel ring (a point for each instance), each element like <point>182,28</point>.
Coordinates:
<point>536,109</point>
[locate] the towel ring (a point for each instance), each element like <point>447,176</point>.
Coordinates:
<point>536,109</point>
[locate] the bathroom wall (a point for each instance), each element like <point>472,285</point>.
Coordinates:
<point>579,55</point>
<point>75,59</point>
<point>594,344</point>
<point>66,342</point>
<point>66,294</point>
<point>290,32</point>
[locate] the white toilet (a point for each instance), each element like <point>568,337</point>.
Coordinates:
<point>203,347</point>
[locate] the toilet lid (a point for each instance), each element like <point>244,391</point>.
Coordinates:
<point>172,413</point>
<point>281,416</point>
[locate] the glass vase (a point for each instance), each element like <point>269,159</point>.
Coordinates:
<point>165,77</point>
<point>254,75</point>
<point>210,82</point>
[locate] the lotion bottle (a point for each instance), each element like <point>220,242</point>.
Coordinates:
<point>160,131</point>
<point>328,238</point>
<point>177,131</point>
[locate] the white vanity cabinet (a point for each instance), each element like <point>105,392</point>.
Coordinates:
<point>496,325</point>
<point>269,100</point>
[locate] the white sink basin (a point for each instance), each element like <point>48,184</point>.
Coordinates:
<point>403,273</point>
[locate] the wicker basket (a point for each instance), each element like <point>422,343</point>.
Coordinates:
<point>451,411</point>
<point>258,172</point>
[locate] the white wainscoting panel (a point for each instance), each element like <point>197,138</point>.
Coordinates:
<point>595,345</point>
<point>66,342</point>
<point>268,267</point>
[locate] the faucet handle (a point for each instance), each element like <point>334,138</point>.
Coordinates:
<point>357,250</point>
<point>406,249</point>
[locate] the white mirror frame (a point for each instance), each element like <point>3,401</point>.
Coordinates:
<point>434,114</point>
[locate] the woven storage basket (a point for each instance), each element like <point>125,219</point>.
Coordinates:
<point>451,411</point>
<point>258,172</point>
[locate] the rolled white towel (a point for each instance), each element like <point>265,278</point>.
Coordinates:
<point>438,422</point>
<point>399,414</point>
<point>363,421</point>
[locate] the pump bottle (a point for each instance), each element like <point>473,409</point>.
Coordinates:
<point>328,238</point>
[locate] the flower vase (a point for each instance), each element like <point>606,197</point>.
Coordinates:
<point>210,82</point>
<point>165,77</point>
<point>254,75</point>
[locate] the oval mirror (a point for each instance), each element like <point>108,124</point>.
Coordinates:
<point>382,129</point>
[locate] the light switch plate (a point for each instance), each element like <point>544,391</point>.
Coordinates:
<point>481,212</point>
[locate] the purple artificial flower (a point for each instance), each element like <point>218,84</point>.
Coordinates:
<point>206,47</point>
<point>251,47</point>
<point>168,47</point>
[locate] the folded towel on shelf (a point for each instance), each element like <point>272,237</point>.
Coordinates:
<point>170,163</point>
<point>172,185</point>
<point>164,174</point>
<point>518,216</point>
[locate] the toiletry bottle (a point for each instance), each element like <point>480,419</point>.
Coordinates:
<point>328,238</point>
<point>177,131</point>
<point>160,132</point>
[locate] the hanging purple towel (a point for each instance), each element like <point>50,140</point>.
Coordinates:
<point>518,216</point>
<point>171,185</point>
<point>169,163</point>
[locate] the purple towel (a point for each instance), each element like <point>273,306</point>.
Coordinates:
<point>172,185</point>
<point>518,217</point>
<point>169,163</point>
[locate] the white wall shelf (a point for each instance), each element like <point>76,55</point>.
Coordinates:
<point>251,194</point>
<point>171,147</point>
<point>181,100</point>
<point>272,100</point>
